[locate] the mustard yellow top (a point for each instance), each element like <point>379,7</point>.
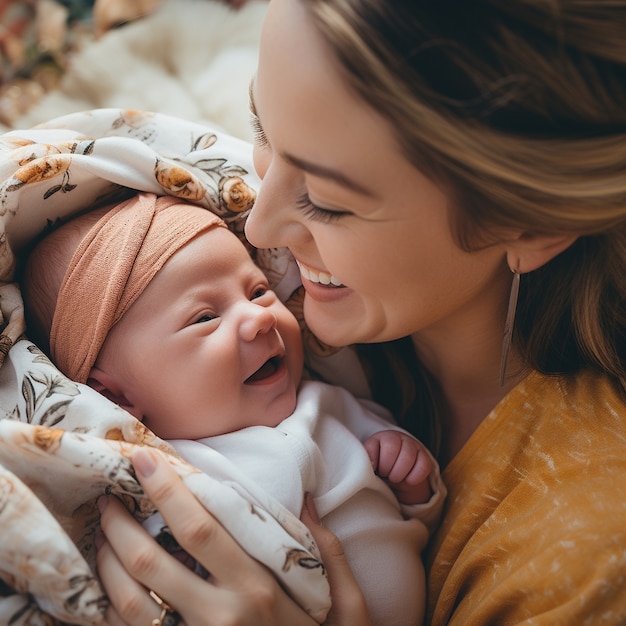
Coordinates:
<point>534,529</point>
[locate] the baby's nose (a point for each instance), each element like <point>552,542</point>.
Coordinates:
<point>257,320</point>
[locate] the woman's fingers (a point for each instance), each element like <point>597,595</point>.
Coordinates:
<point>110,569</point>
<point>131,563</point>
<point>136,564</point>
<point>348,603</point>
<point>113,618</point>
<point>195,529</point>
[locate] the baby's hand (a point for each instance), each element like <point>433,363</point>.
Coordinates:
<point>401,461</point>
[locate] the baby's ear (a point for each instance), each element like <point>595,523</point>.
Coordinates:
<point>109,387</point>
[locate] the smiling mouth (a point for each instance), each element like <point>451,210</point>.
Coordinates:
<point>321,278</point>
<point>267,370</point>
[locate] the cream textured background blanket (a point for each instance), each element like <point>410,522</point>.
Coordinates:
<point>189,58</point>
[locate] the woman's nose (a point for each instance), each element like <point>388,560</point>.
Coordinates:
<point>256,320</point>
<point>273,221</point>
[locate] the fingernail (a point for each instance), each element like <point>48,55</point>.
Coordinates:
<point>103,502</point>
<point>143,462</point>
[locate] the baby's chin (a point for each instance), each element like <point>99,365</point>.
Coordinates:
<point>283,409</point>
<point>269,415</point>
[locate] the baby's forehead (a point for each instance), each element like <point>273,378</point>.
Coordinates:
<point>215,253</point>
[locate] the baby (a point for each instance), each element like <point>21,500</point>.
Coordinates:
<point>159,307</point>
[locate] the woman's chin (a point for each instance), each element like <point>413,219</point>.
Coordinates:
<point>337,330</point>
<point>332,329</point>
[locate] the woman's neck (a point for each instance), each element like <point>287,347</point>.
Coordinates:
<point>462,414</point>
<point>467,370</point>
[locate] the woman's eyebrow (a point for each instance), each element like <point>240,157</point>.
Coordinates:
<point>313,168</point>
<point>327,173</point>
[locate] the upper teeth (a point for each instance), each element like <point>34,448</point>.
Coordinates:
<point>319,277</point>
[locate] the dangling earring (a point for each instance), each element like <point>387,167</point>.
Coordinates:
<point>509,323</point>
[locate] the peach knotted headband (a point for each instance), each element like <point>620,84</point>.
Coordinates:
<point>111,267</point>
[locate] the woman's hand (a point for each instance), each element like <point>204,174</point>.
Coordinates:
<point>130,563</point>
<point>348,603</point>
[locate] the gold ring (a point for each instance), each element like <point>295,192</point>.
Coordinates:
<point>165,608</point>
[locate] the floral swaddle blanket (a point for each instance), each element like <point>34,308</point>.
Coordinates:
<point>62,444</point>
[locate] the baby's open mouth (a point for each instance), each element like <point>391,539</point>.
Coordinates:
<point>268,369</point>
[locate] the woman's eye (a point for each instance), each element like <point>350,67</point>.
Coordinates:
<point>316,212</point>
<point>259,137</point>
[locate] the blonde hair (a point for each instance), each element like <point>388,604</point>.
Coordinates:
<point>519,108</point>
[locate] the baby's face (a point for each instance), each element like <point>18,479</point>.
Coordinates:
<point>207,348</point>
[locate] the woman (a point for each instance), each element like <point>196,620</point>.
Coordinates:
<point>449,168</point>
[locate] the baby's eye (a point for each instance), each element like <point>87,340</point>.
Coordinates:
<point>207,317</point>
<point>259,292</point>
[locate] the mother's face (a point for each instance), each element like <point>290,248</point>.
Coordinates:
<point>339,193</point>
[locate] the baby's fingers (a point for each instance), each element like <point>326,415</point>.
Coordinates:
<point>421,469</point>
<point>407,457</point>
<point>372,447</point>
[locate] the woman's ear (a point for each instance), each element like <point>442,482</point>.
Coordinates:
<point>109,387</point>
<point>529,252</point>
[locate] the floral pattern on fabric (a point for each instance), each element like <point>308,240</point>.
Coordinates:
<point>62,444</point>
